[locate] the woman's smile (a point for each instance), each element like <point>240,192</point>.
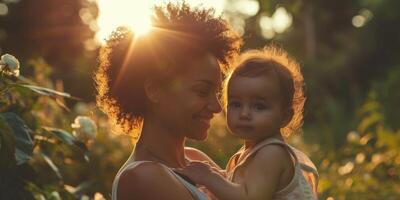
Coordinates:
<point>203,120</point>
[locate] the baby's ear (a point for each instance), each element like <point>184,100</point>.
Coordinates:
<point>152,90</point>
<point>287,116</point>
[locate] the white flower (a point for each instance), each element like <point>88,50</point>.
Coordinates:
<point>9,65</point>
<point>85,197</point>
<point>353,136</point>
<point>98,196</point>
<point>84,128</point>
<point>10,61</point>
<point>55,195</point>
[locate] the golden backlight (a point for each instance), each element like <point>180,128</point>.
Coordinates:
<point>137,14</point>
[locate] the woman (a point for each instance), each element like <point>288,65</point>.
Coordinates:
<point>164,85</point>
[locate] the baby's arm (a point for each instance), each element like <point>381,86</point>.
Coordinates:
<point>213,180</point>
<point>264,171</point>
<point>261,179</point>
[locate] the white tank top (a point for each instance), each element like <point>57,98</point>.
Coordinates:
<point>304,182</point>
<point>196,194</point>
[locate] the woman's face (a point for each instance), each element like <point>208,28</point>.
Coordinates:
<point>189,102</point>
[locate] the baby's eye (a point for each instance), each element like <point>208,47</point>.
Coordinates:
<point>259,107</point>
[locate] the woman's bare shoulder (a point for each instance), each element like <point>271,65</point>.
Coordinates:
<point>150,180</point>
<point>195,154</point>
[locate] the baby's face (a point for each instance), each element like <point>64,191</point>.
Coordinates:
<point>254,109</point>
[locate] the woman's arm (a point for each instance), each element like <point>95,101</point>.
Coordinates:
<point>151,181</point>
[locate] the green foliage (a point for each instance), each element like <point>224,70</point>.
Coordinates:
<point>24,144</point>
<point>7,146</point>
<point>368,164</point>
<point>30,145</point>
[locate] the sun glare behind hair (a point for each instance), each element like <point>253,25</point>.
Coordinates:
<point>133,14</point>
<point>142,27</point>
<point>137,14</point>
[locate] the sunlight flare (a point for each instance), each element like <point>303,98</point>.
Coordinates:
<point>137,14</point>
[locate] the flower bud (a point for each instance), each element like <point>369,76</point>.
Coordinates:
<point>9,64</point>
<point>84,128</point>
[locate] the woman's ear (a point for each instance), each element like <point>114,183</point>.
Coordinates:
<point>287,116</point>
<point>152,90</point>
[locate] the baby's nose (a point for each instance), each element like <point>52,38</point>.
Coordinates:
<point>245,113</point>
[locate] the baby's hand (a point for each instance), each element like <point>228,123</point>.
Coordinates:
<point>197,171</point>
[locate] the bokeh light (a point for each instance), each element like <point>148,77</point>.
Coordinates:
<point>3,9</point>
<point>247,7</point>
<point>279,22</point>
<point>362,18</point>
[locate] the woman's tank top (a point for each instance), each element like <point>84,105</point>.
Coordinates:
<point>196,194</point>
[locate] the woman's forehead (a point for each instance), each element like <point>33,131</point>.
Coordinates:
<point>203,68</point>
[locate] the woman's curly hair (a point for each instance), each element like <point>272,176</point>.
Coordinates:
<point>179,34</point>
<point>273,59</point>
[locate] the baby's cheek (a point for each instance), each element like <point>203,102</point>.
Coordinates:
<point>230,119</point>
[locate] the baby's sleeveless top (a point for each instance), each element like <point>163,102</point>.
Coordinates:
<point>304,182</point>
<point>196,194</point>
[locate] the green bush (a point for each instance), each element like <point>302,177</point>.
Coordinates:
<point>43,154</point>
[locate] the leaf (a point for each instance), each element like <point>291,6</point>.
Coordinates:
<point>370,121</point>
<point>52,165</point>
<point>46,91</point>
<point>7,146</point>
<point>26,80</point>
<point>11,184</point>
<point>23,141</point>
<point>69,139</point>
<point>63,135</point>
<point>61,104</point>
<point>21,156</point>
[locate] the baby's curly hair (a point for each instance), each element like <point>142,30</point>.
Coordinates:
<point>179,34</point>
<point>273,59</point>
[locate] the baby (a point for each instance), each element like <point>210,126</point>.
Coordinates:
<point>264,103</point>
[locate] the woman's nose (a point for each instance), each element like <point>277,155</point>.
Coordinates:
<point>214,105</point>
